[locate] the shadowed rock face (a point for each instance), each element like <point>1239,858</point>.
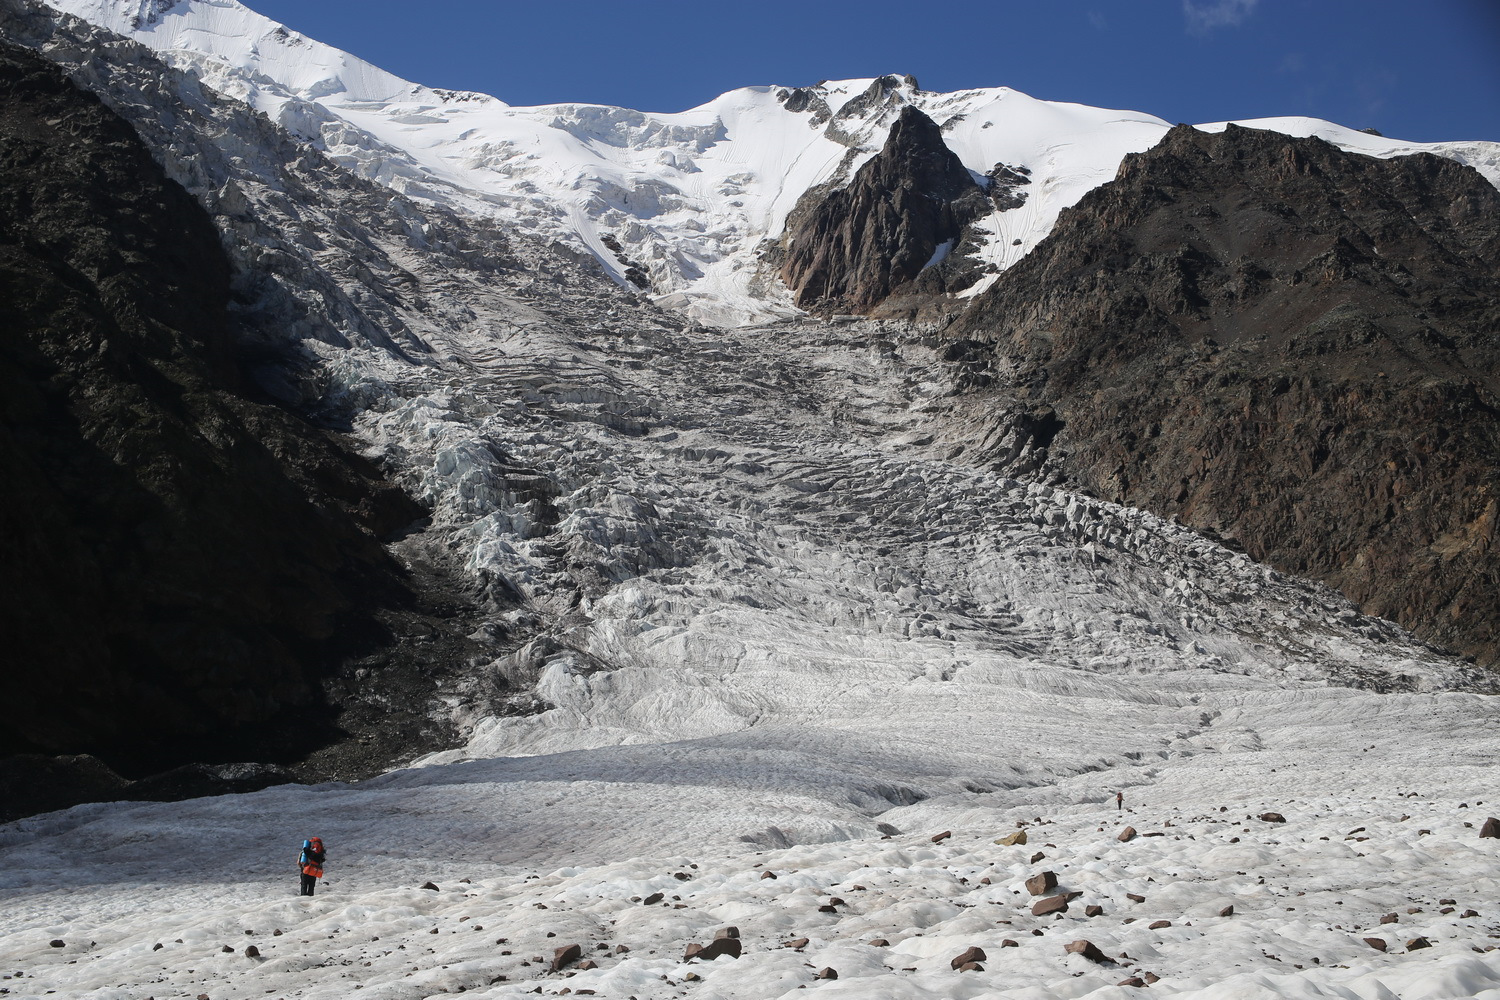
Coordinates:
<point>854,246</point>
<point>182,565</point>
<point>1290,346</point>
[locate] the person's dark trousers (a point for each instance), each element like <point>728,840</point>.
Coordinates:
<point>309,883</point>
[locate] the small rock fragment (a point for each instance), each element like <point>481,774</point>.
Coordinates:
<point>58,943</point>
<point>1135,898</point>
<point>429,885</point>
<point>1157,925</point>
<point>1132,981</point>
<point>796,943</point>
<point>1389,918</point>
<point>1012,839</point>
<point>828,973</point>
<point>937,838</point>
<point>588,963</point>
<point>1377,943</point>
<point>1093,911</point>
<point>766,875</point>
<point>1126,835</point>
<point>967,957</point>
<point>622,949</point>
<point>971,967</point>
<point>653,899</point>
<point>1418,942</point>
<point>1270,817</point>
<point>1037,857</point>
<point>1052,904</point>
<point>226,950</point>
<point>1228,911</point>
<point>1152,977</point>
<point>880,943</point>
<point>1008,943</point>
<point>1041,883</point>
<point>252,952</point>
<point>566,956</point>
<point>1087,949</point>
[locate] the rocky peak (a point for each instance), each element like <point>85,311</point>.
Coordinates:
<point>848,249</point>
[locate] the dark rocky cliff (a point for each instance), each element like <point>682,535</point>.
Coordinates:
<point>184,566</point>
<point>1289,346</point>
<point>854,246</point>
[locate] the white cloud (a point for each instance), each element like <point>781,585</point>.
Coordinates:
<point>1206,15</point>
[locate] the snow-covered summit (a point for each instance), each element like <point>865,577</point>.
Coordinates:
<point>681,203</point>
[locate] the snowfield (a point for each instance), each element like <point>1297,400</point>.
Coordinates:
<point>794,604</point>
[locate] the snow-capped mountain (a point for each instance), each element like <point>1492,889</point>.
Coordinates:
<point>681,204</point>
<point>794,626</point>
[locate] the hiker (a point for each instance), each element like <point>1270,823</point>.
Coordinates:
<point>1119,801</point>
<point>310,864</point>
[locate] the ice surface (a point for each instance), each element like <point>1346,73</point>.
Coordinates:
<point>691,197</point>
<point>785,600</point>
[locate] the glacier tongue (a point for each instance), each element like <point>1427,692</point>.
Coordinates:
<point>685,205</point>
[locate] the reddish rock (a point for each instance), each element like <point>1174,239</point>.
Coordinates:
<point>1126,835</point>
<point>1087,949</point>
<point>1093,911</point>
<point>1377,943</point>
<point>1152,977</point>
<point>1008,943</point>
<point>1468,913</point>
<point>566,956</point>
<point>1389,918</point>
<point>716,948</point>
<point>1228,911</point>
<point>828,973</point>
<point>727,932</point>
<point>1491,828</point>
<point>971,967</point>
<point>1041,883</point>
<point>938,838</point>
<point>1418,942</point>
<point>1135,898</point>
<point>880,943</point>
<point>1269,817</point>
<point>796,943</point>
<point>622,949</point>
<point>1157,925</point>
<point>969,955</point>
<point>1052,904</point>
<point>587,964</point>
<point>766,875</point>
<point>1132,981</point>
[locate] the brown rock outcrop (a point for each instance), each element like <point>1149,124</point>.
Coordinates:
<point>848,251</point>
<point>1289,347</point>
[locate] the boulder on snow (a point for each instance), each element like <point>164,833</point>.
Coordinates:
<point>828,973</point>
<point>880,943</point>
<point>1126,835</point>
<point>1008,943</point>
<point>1052,904</point>
<point>566,956</point>
<point>653,899</point>
<point>1012,839</point>
<point>1491,828</point>
<point>971,967</point>
<point>766,875</point>
<point>1041,883</point>
<point>1037,857</point>
<point>796,943</point>
<point>938,838</point>
<point>1088,950</point>
<point>1157,925</point>
<point>1270,817</point>
<point>714,949</point>
<point>1135,897</point>
<point>967,957</point>
<point>1418,942</point>
<point>1389,918</point>
<point>1228,911</point>
<point>429,885</point>
<point>1377,943</point>
<point>1093,911</point>
<point>252,952</point>
<point>1132,981</point>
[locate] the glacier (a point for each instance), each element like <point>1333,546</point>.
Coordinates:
<point>779,615</point>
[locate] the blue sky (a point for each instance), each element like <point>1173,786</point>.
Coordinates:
<point>1415,70</point>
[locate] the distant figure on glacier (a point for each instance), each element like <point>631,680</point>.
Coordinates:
<point>1119,801</point>
<point>310,864</point>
